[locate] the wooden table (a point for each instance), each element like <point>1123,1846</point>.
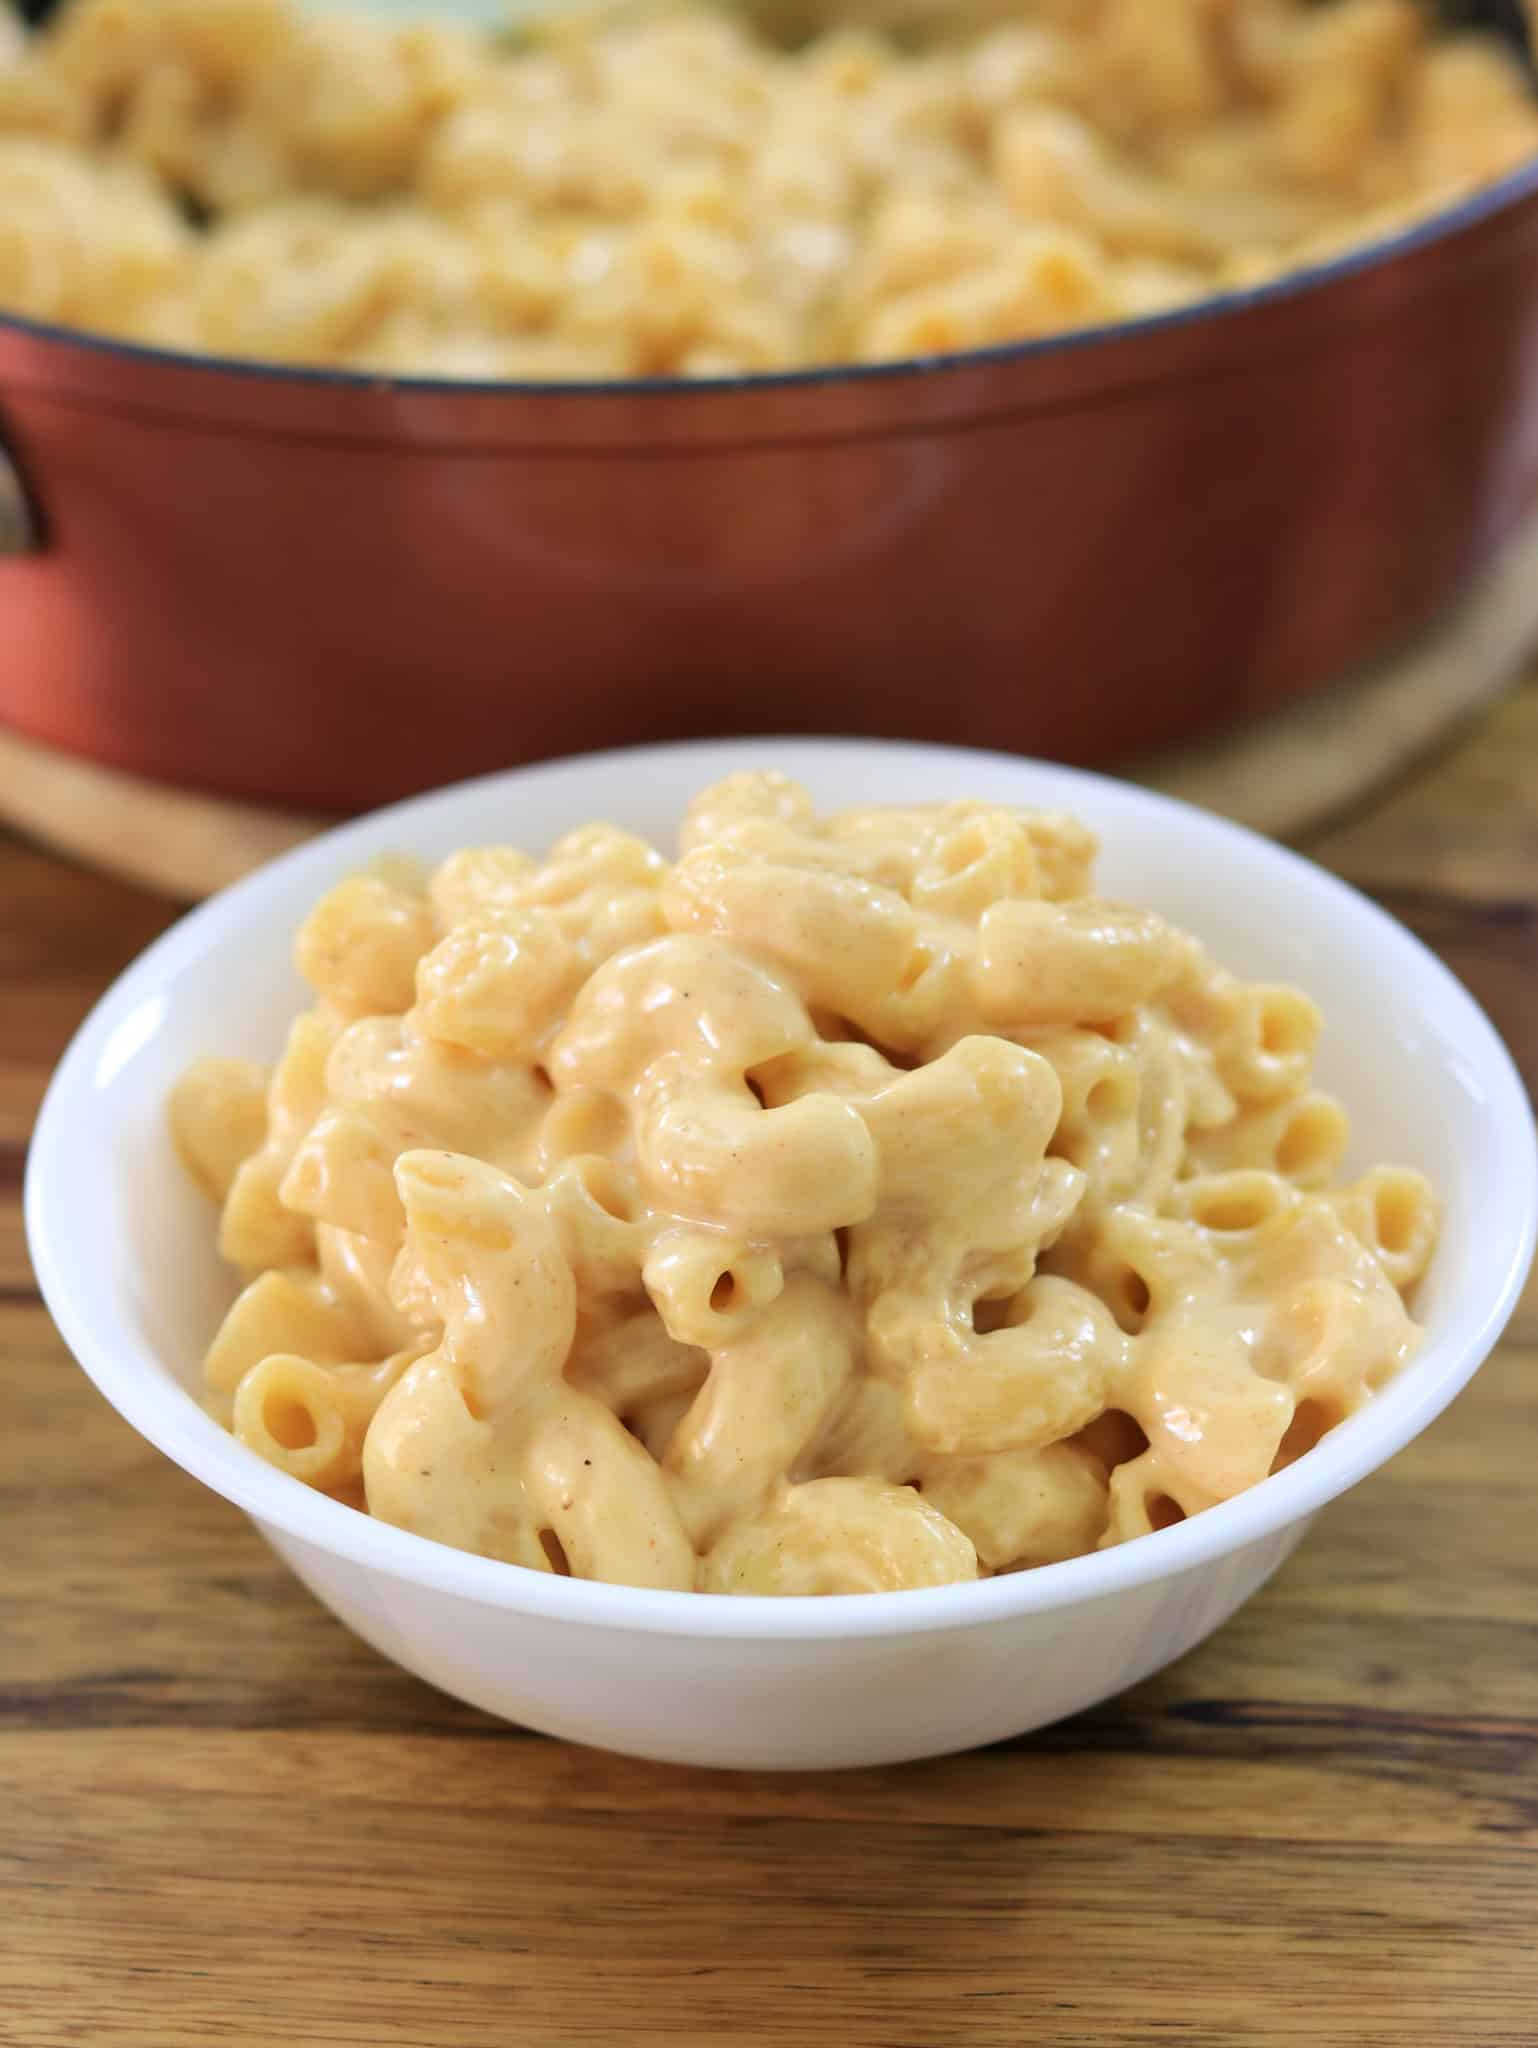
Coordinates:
<point>222,1819</point>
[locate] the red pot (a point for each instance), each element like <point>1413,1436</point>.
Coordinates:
<point>328,589</point>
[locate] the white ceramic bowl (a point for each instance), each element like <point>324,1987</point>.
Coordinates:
<point>124,1253</point>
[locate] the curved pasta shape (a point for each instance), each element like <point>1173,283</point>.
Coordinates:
<point>605,1228</point>
<point>678,1025</point>
<point>981,859</point>
<point>256,1228</point>
<point>1303,1137</point>
<point>501,1282</point>
<point>288,1412</point>
<point>578,1121</point>
<point>1046,1374</point>
<point>359,947</point>
<point>865,1436</point>
<point>848,1069</point>
<point>343,1171</point>
<point>430,1466</point>
<point>1048,966</point>
<point>1099,1130</point>
<point>1164,1105</point>
<point>358,1271</point>
<point>985,1108</point>
<point>709,1287</point>
<point>1022,1508</point>
<point>1236,1205</point>
<point>680,998</point>
<point>290,1310</point>
<point>1140,1265</point>
<point>1213,1420</point>
<point>476,880</point>
<point>895,843</point>
<point>1335,1342</point>
<point>849,943</point>
<point>840,1536</point>
<point>599,887</point>
<point>524,1466</point>
<point>218,1117</point>
<point>393,1089</point>
<point>713,1151</point>
<point>764,1401</point>
<point>1270,1046</point>
<point>454,1097</point>
<point>497,984</point>
<point>633,1362</point>
<point>310,1420</point>
<point>604,1496</point>
<point>1393,1212</point>
<point>1145,1497</point>
<point>969,1200</point>
<point>712,814</point>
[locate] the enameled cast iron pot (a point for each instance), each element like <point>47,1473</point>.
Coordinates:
<point>330,589</point>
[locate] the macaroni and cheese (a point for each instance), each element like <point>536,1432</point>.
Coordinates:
<point>669,192</point>
<point>850,1204</point>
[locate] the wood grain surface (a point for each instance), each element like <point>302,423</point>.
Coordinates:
<point>223,1820</point>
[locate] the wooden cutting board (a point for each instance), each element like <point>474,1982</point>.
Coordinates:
<point>1287,774</point>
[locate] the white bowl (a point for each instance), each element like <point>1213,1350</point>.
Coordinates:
<point>124,1251</point>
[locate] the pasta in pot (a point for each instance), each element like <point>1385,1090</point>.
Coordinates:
<point>661,190</point>
<point>849,1205</point>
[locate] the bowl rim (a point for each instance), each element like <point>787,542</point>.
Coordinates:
<point>128,1374</point>
<point>1446,223</point>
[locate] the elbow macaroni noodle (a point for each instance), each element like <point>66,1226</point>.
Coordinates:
<point>663,190</point>
<point>852,1204</point>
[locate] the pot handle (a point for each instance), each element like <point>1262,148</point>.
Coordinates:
<point>19,529</point>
